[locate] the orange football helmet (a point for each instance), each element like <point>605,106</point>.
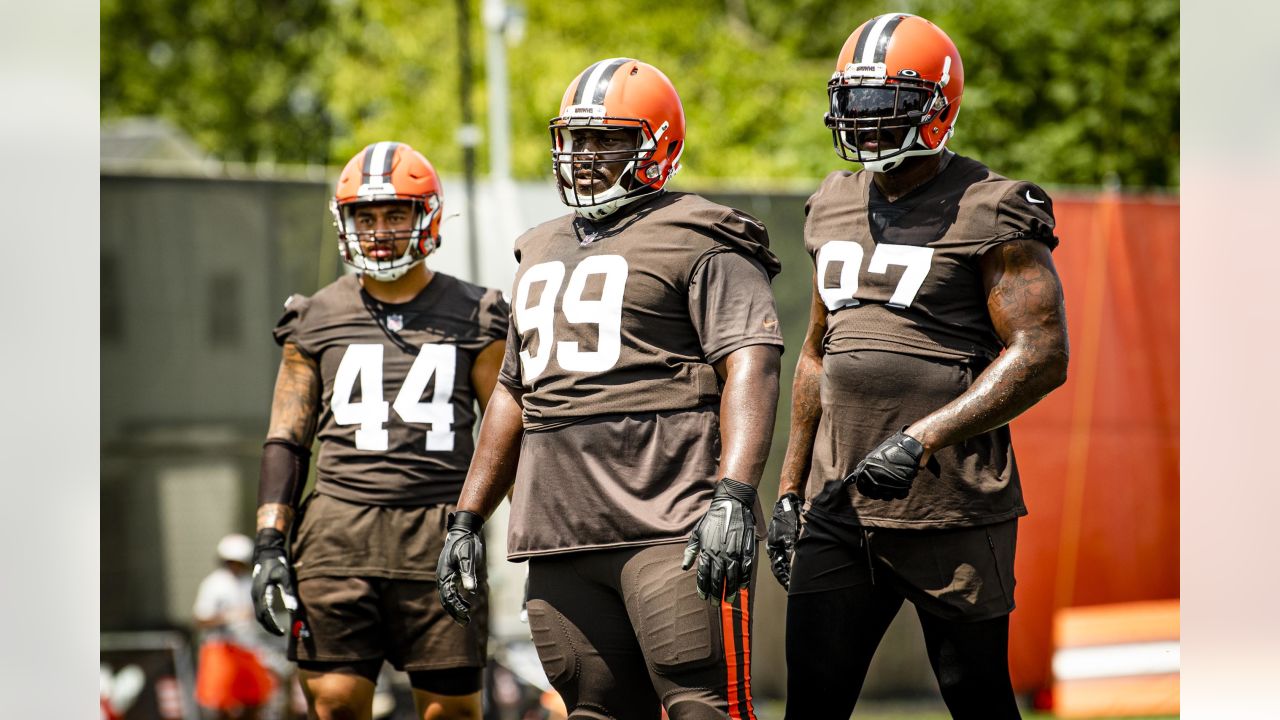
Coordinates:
<point>388,172</point>
<point>895,93</point>
<point>618,93</point>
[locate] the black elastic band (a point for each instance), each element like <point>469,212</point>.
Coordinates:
<point>740,491</point>
<point>466,520</point>
<point>283,473</point>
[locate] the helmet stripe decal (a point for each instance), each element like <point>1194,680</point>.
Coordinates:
<point>378,161</point>
<point>589,77</point>
<point>874,42</point>
<point>595,83</point>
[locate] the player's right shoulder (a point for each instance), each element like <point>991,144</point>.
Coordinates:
<point>339,290</point>
<point>836,183</point>
<point>335,296</point>
<point>300,311</point>
<point>543,232</point>
<point>838,189</point>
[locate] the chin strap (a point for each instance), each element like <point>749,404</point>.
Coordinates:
<point>604,210</point>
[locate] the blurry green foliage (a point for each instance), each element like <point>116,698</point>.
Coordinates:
<point>238,75</point>
<point>1056,91</point>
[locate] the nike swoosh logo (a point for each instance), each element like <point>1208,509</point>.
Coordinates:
<point>1033,200</point>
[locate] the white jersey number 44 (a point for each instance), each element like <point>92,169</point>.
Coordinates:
<point>372,412</point>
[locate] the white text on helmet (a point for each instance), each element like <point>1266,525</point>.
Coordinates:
<point>866,71</point>
<point>376,189</point>
<point>592,110</point>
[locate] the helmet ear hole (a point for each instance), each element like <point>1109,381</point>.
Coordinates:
<point>946,112</point>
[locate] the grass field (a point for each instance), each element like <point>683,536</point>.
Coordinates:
<point>773,710</point>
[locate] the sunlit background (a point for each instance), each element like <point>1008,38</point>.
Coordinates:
<point>223,124</point>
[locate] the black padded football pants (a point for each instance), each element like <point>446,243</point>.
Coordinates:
<point>622,634</point>
<point>832,635</point>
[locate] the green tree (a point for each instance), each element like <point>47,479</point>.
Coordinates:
<point>1074,93</point>
<point>235,74</point>
<point>1056,91</point>
<point>393,70</point>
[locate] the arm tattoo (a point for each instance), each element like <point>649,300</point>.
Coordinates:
<point>295,405</point>
<point>1024,299</point>
<point>275,515</point>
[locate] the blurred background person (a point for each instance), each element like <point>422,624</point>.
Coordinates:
<point>232,679</point>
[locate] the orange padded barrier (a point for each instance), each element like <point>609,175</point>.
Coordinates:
<point>1099,456</point>
<point>1116,660</point>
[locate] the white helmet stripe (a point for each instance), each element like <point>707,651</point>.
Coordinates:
<point>871,41</point>
<point>378,164</point>
<point>602,72</point>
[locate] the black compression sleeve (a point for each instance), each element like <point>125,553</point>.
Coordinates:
<point>284,472</point>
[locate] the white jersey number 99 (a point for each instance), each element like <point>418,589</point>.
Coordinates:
<point>605,313</point>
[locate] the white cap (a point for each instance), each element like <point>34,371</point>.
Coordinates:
<point>236,547</point>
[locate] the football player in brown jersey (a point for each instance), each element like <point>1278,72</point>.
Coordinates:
<point>937,318</point>
<point>384,366</point>
<point>633,414</point>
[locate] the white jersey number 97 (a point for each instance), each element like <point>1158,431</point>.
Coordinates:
<point>916,260</point>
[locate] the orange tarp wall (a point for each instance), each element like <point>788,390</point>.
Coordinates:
<point>1099,456</point>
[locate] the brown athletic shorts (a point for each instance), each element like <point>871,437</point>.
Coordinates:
<point>623,633</point>
<point>956,574</point>
<point>379,599</point>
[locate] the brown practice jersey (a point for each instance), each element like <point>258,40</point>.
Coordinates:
<point>397,405</point>
<point>615,330</point>
<point>904,276</point>
<point>903,280</point>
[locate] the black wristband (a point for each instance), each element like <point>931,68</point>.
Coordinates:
<point>740,491</point>
<point>465,520</point>
<point>270,538</point>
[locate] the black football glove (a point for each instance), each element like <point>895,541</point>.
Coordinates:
<point>886,473</point>
<point>524,602</point>
<point>784,529</point>
<point>460,571</point>
<point>724,542</point>
<point>272,578</point>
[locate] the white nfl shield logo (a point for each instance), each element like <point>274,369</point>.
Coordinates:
<point>395,322</point>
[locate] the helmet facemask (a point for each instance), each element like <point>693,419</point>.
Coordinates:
<point>635,173</point>
<point>880,123</point>
<point>355,244</point>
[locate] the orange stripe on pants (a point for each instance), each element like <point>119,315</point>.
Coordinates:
<point>730,657</point>
<point>746,653</point>
<point>737,673</point>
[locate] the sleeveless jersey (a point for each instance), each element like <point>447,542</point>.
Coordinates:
<point>908,331</point>
<point>904,276</point>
